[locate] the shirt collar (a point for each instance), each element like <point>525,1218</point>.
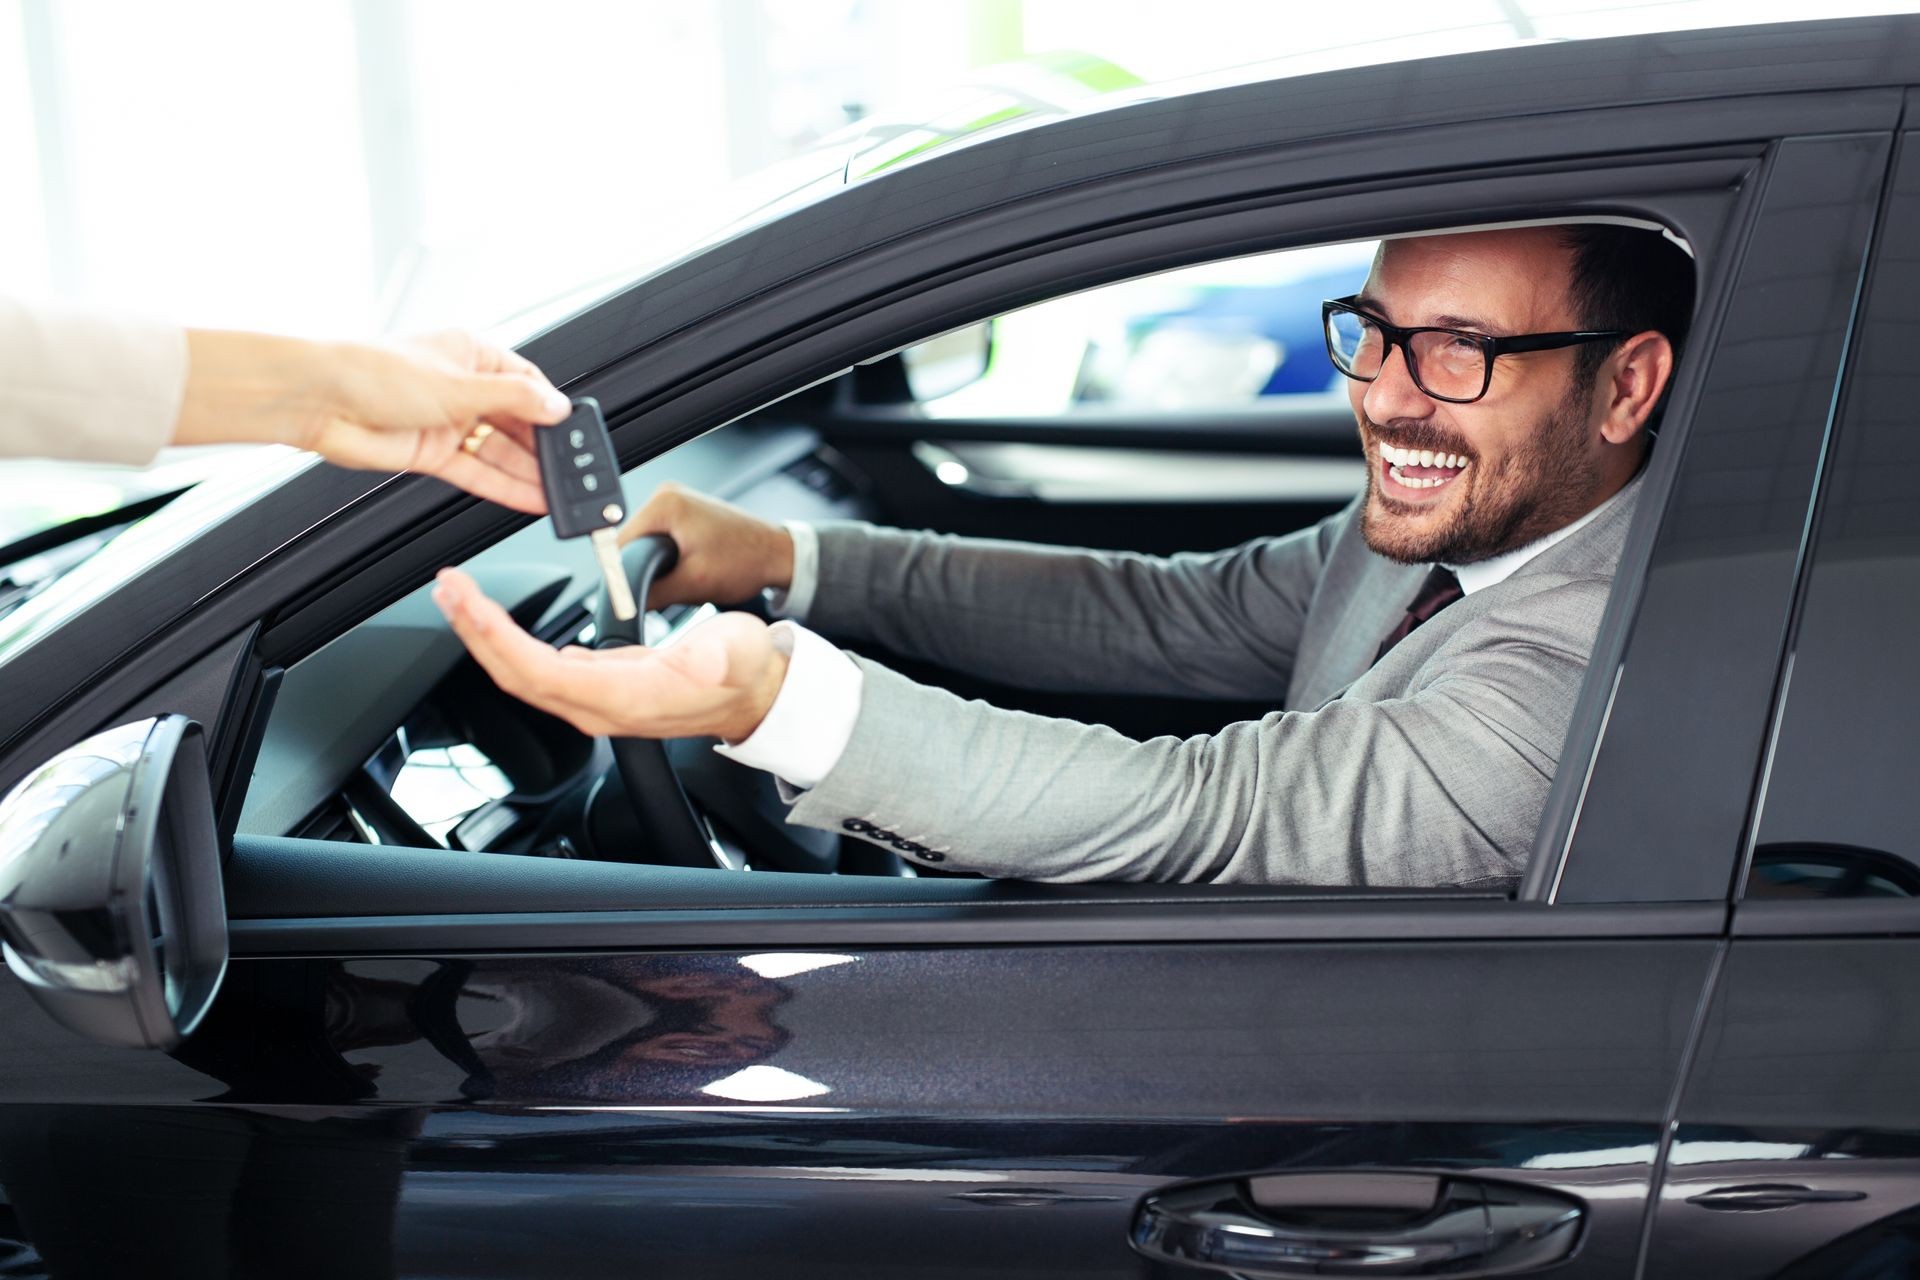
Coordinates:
<point>1482,574</point>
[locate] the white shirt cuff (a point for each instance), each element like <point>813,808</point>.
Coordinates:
<point>798,597</point>
<point>806,730</point>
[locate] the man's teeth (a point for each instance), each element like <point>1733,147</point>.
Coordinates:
<point>1421,458</point>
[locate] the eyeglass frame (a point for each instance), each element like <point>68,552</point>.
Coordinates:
<point>1491,348</point>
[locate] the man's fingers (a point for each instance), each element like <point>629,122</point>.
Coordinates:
<point>623,692</point>
<point>518,663</point>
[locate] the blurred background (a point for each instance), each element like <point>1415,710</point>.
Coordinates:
<point>357,167</point>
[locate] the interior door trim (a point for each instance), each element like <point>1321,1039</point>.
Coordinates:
<point>1066,474</point>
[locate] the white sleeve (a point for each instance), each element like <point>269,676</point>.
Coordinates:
<point>798,597</point>
<point>87,385</point>
<point>806,730</point>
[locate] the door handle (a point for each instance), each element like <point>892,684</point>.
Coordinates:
<point>1358,1224</point>
<point>1756,1196</point>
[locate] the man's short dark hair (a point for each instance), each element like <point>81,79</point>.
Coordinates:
<point>1627,278</point>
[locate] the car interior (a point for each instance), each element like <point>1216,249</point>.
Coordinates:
<point>1188,410</point>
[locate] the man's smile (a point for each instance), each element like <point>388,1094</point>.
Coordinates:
<point>1417,475</point>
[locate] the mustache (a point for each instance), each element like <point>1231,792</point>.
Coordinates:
<point>1415,435</point>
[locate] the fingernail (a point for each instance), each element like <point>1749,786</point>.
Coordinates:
<point>443,600</point>
<point>558,405</point>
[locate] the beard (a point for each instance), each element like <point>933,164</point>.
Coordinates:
<point>1546,483</point>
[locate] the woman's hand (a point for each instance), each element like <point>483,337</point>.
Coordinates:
<point>449,405</point>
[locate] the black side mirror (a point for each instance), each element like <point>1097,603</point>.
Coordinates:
<point>111,906</point>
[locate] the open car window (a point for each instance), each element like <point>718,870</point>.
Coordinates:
<point>391,736</point>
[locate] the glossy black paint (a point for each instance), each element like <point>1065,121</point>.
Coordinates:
<point>1659,819</point>
<point>1845,737</point>
<point>897,1101</point>
<point>1805,1077</point>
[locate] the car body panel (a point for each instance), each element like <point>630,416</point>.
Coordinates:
<point>1805,1076</point>
<point>922,1110</point>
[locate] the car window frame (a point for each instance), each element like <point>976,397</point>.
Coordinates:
<point>1686,589</point>
<point>1684,168</point>
<point>1160,897</point>
<point>1835,917</point>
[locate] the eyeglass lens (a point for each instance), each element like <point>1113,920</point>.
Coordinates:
<point>1442,364</point>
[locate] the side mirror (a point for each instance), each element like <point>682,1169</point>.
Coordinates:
<point>111,906</point>
<point>941,366</point>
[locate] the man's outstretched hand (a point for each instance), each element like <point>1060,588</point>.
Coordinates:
<point>720,678</point>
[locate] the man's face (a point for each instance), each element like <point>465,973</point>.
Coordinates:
<point>1531,447</point>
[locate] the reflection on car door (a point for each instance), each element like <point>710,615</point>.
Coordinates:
<point>926,1110</point>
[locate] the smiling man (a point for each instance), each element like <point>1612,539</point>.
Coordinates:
<point>1424,646</point>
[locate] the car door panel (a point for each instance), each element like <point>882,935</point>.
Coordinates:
<point>1129,481</point>
<point>918,1111</point>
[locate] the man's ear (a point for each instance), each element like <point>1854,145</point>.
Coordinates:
<point>1633,379</point>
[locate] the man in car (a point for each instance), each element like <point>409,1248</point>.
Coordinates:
<point>1424,646</point>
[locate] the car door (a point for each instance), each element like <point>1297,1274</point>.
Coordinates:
<point>1797,1149</point>
<point>430,1062</point>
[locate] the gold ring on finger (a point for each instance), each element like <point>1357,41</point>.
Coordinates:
<point>477,437</point>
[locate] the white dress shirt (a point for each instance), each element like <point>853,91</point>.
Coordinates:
<point>807,729</point>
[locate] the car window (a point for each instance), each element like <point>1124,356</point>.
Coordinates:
<point>389,736</point>
<point>1220,336</point>
<point>1834,821</point>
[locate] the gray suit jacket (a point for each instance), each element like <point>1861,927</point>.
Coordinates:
<point>1430,768</point>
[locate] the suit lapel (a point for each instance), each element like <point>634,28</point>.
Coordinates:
<point>1362,596</point>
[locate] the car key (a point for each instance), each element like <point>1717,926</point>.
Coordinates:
<point>584,498</point>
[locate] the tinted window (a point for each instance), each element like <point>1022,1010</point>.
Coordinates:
<point>1840,816</point>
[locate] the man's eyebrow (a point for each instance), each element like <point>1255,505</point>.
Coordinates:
<point>1367,302</point>
<point>1467,322</point>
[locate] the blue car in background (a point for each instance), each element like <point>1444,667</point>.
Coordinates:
<point>1272,329</point>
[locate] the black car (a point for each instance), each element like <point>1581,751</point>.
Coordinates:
<point>477,1018</point>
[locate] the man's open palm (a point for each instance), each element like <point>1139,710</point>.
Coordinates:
<point>719,679</point>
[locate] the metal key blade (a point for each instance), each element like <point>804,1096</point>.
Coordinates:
<point>606,549</point>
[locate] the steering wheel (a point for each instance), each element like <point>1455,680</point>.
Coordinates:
<point>670,784</point>
<point>672,831</point>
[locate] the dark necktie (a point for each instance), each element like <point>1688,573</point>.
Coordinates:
<point>1439,590</point>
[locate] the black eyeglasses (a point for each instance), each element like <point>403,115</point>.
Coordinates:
<point>1448,364</point>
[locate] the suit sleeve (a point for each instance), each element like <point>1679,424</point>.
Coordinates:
<point>1215,625</point>
<point>1442,786</point>
<point>87,386</point>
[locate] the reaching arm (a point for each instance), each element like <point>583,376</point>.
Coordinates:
<point>1223,624</point>
<point>1442,786</point>
<point>107,388</point>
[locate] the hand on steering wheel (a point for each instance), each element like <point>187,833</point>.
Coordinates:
<point>719,679</point>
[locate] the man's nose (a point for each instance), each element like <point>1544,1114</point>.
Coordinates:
<point>1392,394</point>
